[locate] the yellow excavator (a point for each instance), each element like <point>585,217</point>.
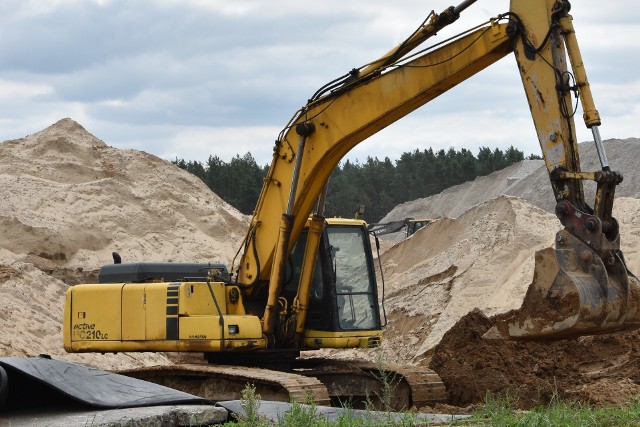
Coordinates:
<point>305,282</point>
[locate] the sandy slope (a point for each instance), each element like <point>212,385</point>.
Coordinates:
<point>483,259</point>
<point>444,282</point>
<point>528,180</point>
<point>69,197</point>
<point>68,201</point>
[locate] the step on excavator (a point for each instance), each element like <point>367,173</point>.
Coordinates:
<point>302,282</point>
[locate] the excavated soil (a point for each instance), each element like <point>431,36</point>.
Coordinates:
<point>602,370</point>
<point>69,200</point>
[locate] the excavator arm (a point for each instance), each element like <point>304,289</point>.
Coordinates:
<point>348,110</point>
<point>334,121</point>
<point>347,114</point>
<point>583,286</point>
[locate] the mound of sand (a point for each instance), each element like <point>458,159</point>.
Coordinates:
<point>446,282</point>
<point>71,199</point>
<point>483,259</point>
<point>527,179</point>
<point>456,200</point>
<point>482,263</point>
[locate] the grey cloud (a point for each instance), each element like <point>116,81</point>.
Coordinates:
<point>145,69</point>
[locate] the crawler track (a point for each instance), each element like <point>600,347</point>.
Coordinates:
<point>325,381</point>
<point>219,382</point>
<point>359,381</point>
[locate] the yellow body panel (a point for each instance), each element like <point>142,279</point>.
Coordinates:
<point>133,313</point>
<point>355,339</point>
<point>158,312</point>
<point>195,299</point>
<point>155,317</point>
<point>96,313</point>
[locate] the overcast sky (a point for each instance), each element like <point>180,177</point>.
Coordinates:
<point>193,78</point>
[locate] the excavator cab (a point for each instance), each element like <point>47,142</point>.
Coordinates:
<point>343,309</point>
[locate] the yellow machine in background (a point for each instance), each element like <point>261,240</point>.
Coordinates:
<point>304,281</point>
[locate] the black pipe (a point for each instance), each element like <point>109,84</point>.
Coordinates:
<point>462,6</point>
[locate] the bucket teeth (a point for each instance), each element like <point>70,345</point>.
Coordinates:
<point>573,293</point>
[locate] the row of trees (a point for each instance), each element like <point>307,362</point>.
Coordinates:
<point>377,184</point>
<point>237,182</point>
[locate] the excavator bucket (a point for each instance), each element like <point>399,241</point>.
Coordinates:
<point>573,293</point>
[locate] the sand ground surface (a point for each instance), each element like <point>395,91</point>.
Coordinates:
<point>69,200</point>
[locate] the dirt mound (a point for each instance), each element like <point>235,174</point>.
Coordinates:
<point>598,369</point>
<point>482,259</point>
<point>31,320</point>
<point>71,199</point>
<point>528,180</point>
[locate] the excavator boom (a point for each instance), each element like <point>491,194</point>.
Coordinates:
<point>344,117</point>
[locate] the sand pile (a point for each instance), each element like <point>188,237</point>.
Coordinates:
<point>527,179</point>
<point>447,278</point>
<point>68,201</point>
<point>445,281</point>
<point>71,199</point>
<point>449,268</point>
<point>31,317</point>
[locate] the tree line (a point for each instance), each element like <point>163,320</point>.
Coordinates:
<point>379,185</point>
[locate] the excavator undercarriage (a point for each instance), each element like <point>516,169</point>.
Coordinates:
<point>328,382</point>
